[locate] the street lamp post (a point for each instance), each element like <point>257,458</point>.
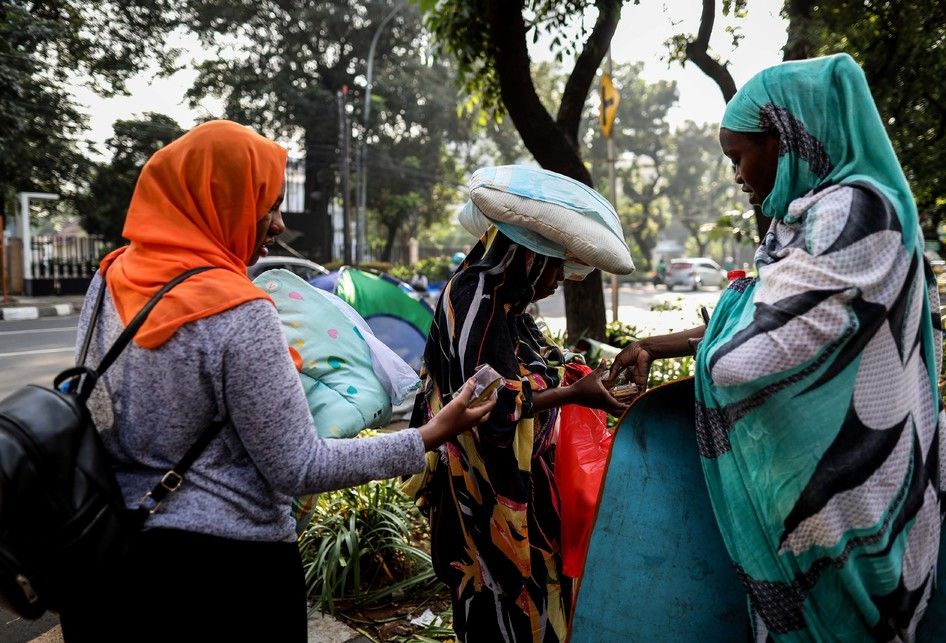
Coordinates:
<point>360,221</point>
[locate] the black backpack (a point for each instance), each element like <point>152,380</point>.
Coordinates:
<point>62,515</point>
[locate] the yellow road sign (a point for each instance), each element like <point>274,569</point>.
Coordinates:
<point>610,99</point>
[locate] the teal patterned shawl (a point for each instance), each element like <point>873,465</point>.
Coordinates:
<point>817,409</point>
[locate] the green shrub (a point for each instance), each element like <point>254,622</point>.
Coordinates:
<point>620,334</point>
<point>361,545</point>
<point>435,268</point>
<point>378,266</point>
<point>662,370</point>
<point>666,306</point>
<point>404,273</point>
<point>668,370</point>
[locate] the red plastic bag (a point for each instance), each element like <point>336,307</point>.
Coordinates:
<point>581,457</point>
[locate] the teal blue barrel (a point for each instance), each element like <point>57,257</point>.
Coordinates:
<point>657,569</point>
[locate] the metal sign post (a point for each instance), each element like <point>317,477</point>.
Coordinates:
<point>3,256</point>
<point>610,100</point>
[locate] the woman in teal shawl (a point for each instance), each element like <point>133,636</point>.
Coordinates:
<point>817,408</point>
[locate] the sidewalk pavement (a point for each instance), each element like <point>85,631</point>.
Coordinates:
<point>322,628</point>
<point>22,307</point>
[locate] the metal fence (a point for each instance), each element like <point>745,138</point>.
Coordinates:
<point>64,265</point>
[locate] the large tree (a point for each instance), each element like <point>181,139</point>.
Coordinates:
<point>44,45</point>
<point>411,177</point>
<point>279,65</point>
<point>695,48</point>
<point>105,202</point>
<point>489,40</point>
<point>900,47</point>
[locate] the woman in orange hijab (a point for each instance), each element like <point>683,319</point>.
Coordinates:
<point>218,558</point>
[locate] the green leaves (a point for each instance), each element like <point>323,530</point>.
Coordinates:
<point>277,65</point>
<point>662,370</point>
<point>104,204</point>
<point>44,45</point>
<point>900,47</point>
<point>361,546</point>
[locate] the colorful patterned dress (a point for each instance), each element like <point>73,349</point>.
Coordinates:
<point>818,414</point>
<point>490,494</point>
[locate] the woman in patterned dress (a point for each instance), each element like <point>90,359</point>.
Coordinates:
<point>489,494</point>
<point>817,410</point>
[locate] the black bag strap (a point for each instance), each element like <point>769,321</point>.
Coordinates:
<point>140,318</point>
<point>172,480</point>
<point>87,340</point>
<point>83,378</point>
<point>174,477</point>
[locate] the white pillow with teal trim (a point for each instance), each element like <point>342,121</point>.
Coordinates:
<point>349,377</point>
<point>550,214</point>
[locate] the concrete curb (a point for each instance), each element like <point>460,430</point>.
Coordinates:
<point>322,628</point>
<point>11,313</point>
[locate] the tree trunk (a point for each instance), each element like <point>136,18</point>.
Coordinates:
<point>554,144</point>
<point>801,39</point>
<point>584,308</point>
<point>693,228</point>
<point>762,223</point>
<point>389,243</point>
<point>697,52</point>
<point>644,242</point>
<point>315,224</point>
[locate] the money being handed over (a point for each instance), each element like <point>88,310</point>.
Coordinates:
<point>622,390</point>
<point>486,380</point>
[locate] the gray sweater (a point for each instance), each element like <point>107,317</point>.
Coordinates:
<point>152,404</point>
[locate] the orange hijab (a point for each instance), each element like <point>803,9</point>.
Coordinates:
<point>196,203</point>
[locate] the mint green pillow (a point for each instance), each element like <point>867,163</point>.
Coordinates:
<point>343,391</point>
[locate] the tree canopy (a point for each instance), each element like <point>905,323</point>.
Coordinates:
<point>44,44</point>
<point>279,66</point>
<point>642,138</point>
<point>700,186</point>
<point>104,204</point>
<point>900,45</point>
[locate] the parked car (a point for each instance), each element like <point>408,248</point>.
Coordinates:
<point>302,267</point>
<point>694,273</point>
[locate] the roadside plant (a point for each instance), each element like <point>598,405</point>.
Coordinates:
<point>363,546</point>
<point>667,305</point>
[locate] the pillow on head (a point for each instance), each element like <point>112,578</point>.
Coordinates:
<point>550,214</point>
<point>348,376</point>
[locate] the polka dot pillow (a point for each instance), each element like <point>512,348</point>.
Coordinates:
<point>344,393</point>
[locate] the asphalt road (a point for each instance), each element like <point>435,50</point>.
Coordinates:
<point>676,310</point>
<point>34,351</point>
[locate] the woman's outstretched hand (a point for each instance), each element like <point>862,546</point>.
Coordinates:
<point>635,360</point>
<point>590,391</point>
<point>456,417</point>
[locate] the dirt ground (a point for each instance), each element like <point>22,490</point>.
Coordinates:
<point>393,622</point>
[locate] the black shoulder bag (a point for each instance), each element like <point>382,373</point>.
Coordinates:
<point>62,514</point>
